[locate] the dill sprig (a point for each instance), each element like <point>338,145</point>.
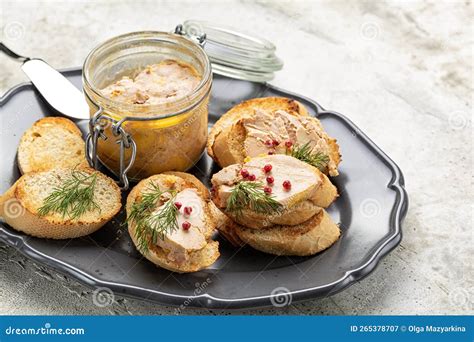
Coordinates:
<point>303,153</point>
<point>149,224</point>
<point>250,195</point>
<point>73,198</point>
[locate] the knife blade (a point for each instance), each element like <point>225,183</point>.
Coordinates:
<point>56,89</point>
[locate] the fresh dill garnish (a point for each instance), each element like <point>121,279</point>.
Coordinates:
<point>250,195</point>
<point>303,153</point>
<point>149,224</point>
<point>73,197</point>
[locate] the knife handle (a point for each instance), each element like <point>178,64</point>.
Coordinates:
<point>12,54</point>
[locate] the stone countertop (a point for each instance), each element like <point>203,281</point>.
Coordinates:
<point>402,71</point>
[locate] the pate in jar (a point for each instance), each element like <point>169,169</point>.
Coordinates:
<point>156,86</point>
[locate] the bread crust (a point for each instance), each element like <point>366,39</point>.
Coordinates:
<point>42,131</point>
<point>18,210</point>
<point>227,137</point>
<point>303,205</point>
<point>224,227</point>
<point>59,121</point>
<point>267,103</point>
<point>199,259</point>
<point>308,238</point>
<point>202,189</point>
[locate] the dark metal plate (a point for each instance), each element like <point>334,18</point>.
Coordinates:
<point>370,209</point>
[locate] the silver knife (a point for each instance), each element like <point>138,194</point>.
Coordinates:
<point>60,93</point>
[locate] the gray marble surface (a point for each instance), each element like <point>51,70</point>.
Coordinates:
<point>402,71</point>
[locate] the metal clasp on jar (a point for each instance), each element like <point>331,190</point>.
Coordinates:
<point>194,33</point>
<point>97,125</point>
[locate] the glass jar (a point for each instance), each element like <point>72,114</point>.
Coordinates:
<point>169,136</point>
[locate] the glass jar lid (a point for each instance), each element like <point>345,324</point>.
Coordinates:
<point>234,54</point>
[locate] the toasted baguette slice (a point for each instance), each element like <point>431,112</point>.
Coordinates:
<point>203,191</point>
<point>196,259</point>
<point>52,142</point>
<point>307,238</point>
<point>267,103</point>
<point>224,226</point>
<point>20,205</point>
<point>229,144</point>
<point>242,135</point>
<point>310,190</point>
